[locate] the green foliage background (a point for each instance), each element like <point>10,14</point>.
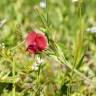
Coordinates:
<point>65,23</point>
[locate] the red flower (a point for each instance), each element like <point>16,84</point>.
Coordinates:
<point>36,42</point>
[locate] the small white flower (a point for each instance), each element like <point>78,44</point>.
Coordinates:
<point>35,66</point>
<point>74,1</point>
<point>37,63</point>
<point>92,29</point>
<point>42,4</point>
<point>39,60</point>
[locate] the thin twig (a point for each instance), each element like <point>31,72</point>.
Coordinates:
<point>18,45</point>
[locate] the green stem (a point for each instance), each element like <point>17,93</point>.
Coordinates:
<point>79,42</point>
<point>18,45</point>
<point>47,16</point>
<point>13,73</point>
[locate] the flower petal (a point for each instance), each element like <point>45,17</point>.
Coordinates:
<point>41,41</point>
<point>31,38</point>
<point>32,48</point>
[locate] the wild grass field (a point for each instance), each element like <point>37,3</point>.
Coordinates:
<point>62,62</point>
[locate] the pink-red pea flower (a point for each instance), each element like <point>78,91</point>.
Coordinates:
<point>36,42</point>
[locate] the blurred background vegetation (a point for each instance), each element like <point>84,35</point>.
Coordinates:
<point>67,21</point>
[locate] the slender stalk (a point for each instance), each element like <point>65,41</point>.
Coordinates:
<point>79,39</point>
<point>18,45</point>
<point>47,16</point>
<point>78,46</point>
<point>13,73</point>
